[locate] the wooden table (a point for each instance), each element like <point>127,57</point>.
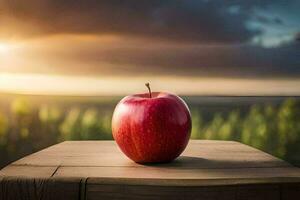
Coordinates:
<point>98,170</point>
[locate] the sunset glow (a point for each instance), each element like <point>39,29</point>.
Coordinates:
<point>194,48</point>
<point>89,86</point>
<point>4,48</point>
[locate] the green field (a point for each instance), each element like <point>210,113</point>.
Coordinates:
<point>29,123</point>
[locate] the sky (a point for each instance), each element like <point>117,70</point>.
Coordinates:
<point>209,47</point>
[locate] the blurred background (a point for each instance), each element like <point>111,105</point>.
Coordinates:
<point>64,65</point>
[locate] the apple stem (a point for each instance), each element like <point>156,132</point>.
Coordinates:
<point>148,86</point>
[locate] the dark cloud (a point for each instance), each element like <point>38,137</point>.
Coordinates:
<point>175,20</point>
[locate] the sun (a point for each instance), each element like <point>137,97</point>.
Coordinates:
<point>4,48</point>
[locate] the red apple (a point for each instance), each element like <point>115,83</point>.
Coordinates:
<point>152,127</point>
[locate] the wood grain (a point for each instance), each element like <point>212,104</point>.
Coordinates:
<point>198,154</point>
<point>19,188</point>
<point>97,169</point>
<point>28,171</point>
<point>203,177</point>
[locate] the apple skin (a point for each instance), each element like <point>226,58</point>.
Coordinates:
<point>152,130</point>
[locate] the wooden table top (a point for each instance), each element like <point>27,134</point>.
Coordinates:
<point>204,163</point>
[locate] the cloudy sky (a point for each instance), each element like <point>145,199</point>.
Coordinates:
<point>176,39</point>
